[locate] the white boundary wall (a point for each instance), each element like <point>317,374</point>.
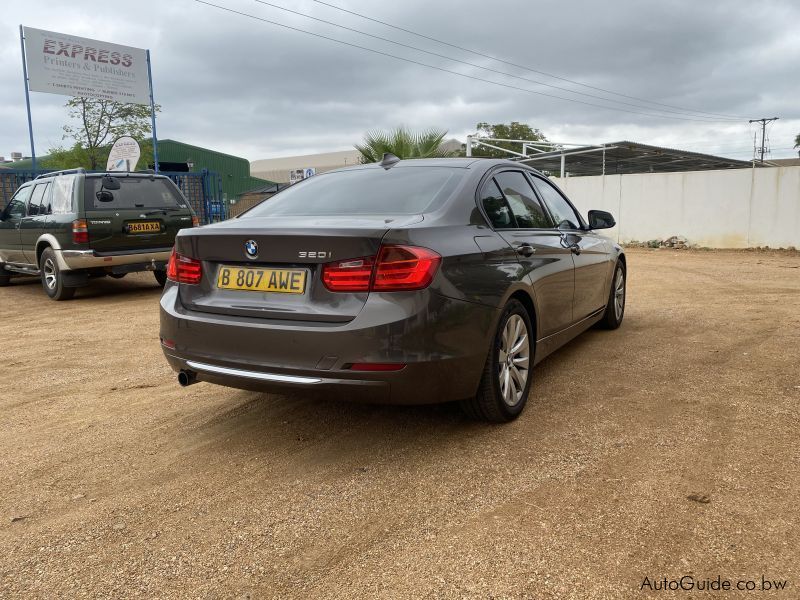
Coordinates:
<point>734,208</point>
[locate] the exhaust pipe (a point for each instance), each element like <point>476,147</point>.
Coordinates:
<point>187,378</point>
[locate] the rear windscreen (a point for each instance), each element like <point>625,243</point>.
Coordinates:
<point>398,191</point>
<point>134,192</point>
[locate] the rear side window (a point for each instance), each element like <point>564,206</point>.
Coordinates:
<point>134,193</point>
<point>496,207</point>
<point>522,200</point>
<point>562,212</point>
<point>61,196</point>
<point>397,191</point>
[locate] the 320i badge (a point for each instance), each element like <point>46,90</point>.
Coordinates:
<point>409,282</point>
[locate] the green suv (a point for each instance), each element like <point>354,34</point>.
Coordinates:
<point>69,226</point>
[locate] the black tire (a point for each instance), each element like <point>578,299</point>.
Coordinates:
<point>612,318</point>
<point>52,279</point>
<point>490,403</point>
<point>161,277</point>
<point>5,277</point>
<point>117,275</point>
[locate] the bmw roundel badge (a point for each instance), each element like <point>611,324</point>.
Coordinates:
<point>251,248</point>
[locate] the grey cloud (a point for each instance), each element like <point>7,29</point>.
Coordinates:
<point>232,83</point>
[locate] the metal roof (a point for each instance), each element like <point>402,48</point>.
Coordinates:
<point>629,157</point>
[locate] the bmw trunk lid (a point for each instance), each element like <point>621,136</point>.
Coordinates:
<point>271,267</point>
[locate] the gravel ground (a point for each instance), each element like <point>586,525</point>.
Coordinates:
<point>666,448</point>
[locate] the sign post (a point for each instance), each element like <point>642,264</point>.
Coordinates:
<point>152,112</point>
<point>27,96</point>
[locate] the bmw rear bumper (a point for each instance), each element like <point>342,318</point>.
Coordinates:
<point>442,342</point>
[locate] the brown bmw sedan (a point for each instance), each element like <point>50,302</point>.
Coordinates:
<point>404,281</point>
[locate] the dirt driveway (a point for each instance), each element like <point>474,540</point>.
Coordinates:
<point>115,482</point>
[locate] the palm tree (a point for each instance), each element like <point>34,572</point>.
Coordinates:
<point>402,143</point>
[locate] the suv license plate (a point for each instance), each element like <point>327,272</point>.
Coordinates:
<point>144,227</point>
<point>285,281</point>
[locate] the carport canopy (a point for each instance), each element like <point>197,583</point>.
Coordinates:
<point>620,158</point>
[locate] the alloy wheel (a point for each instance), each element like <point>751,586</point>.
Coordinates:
<point>50,276</point>
<point>514,360</point>
<point>619,294</point>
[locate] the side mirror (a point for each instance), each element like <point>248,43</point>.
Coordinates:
<point>110,183</point>
<point>600,219</point>
<point>105,196</point>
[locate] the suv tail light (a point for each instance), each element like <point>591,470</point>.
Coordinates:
<point>80,231</point>
<point>396,268</point>
<point>183,269</point>
<point>195,221</point>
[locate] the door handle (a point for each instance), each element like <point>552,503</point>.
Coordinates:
<point>525,249</point>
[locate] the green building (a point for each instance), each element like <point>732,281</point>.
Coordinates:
<point>233,171</point>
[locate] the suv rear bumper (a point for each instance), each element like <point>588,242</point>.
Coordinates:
<point>70,260</point>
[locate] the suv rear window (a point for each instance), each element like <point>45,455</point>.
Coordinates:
<point>398,191</point>
<point>134,193</point>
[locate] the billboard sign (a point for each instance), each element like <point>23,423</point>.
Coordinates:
<point>124,155</point>
<point>75,66</point>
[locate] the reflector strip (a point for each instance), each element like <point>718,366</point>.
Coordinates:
<point>203,367</point>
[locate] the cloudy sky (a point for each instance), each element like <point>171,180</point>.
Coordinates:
<point>253,89</point>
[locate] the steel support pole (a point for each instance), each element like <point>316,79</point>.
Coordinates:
<point>563,161</point>
<point>469,145</point>
<point>27,96</point>
<point>152,112</point>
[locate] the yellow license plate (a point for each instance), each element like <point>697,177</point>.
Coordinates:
<point>144,227</point>
<point>284,281</point>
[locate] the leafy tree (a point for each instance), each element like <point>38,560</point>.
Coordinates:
<point>509,131</point>
<point>797,141</point>
<point>77,156</point>
<point>97,123</point>
<point>402,143</point>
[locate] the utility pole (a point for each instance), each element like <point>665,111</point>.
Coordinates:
<point>763,133</point>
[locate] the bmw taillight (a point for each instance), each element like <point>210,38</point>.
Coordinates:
<point>353,275</point>
<point>80,231</point>
<point>183,269</point>
<point>396,268</point>
<point>404,268</point>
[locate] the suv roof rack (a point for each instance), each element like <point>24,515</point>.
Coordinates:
<point>62,172</point>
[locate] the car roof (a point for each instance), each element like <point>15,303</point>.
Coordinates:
<point>453,163</point>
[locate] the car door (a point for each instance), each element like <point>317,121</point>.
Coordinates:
<point>517,215</point>
<point>33,223</point>
<point>590,251</point>
<point>10,248</point>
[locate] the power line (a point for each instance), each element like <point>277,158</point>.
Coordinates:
<point>532,70</point>
<point>442,69</point>
<point>477,66</point>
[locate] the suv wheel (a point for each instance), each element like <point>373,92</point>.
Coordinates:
<point>5,276</point>
<point>52,279</point>
<point>506,380</point>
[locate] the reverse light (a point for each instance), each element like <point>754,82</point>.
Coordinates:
<point>80,231</point>
<point>395,269</point>
<point>183,269</point>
